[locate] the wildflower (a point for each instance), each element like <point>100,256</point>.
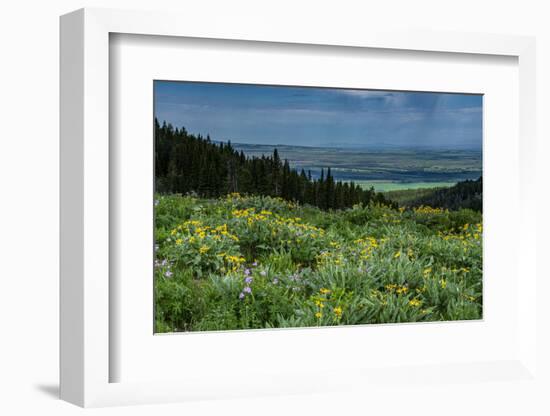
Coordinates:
<point>324,291</point>
<point>338,311</point>
<point>241,295</point>
<point>318,315</point>
<point>397,255</point>
<point>402,290</point>
<point>168,273</point>
<point>203,249</point>
<point>443,283</point>
<point>275,281</point>
<point>415,302</point>
<point>248,280</point>
<point>255,264</point>
<point>246,272</point>
<point>247,289</point>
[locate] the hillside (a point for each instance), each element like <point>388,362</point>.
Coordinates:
<point>465,194</point>
<point>260,262</point>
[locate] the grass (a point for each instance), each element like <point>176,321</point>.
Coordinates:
<point>260,262</point>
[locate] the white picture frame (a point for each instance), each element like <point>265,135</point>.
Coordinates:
<point>86,353</point>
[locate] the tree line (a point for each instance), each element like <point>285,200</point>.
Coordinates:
<point>466,194</point>
<point>187,163</point>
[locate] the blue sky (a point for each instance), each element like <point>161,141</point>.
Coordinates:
<point>321,116</point>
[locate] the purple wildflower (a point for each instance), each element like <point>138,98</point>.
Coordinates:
<point>241,295</point>
<point>247,289</point>
<point>168,273</point>
<point>248,280</point>
<point>295,277</point>
<point>255,264</point>
<point>246,272</point>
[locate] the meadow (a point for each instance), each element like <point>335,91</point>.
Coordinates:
<point>249,262</point>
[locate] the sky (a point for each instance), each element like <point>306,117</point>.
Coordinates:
<point>324,117</point>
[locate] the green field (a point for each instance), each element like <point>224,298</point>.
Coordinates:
<point>388,186</point>
<point>241,262</point>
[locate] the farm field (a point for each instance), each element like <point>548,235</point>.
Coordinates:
<point>250,262</point>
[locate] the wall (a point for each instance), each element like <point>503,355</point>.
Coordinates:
<point>29,172</point>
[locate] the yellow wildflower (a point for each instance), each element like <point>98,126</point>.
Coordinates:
<point>402,290</point>
<point>338,311</point>
<point>415,302</point>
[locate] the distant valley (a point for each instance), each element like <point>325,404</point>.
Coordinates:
<point>389,169</point>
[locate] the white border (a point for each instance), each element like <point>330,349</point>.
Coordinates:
<point>85,204</point>
<point>137,60</point>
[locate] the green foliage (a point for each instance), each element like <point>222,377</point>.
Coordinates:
<point>264,262</point>
<point>464,195</point>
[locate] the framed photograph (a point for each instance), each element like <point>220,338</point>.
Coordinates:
<point>290,212</point>
<point>311,207</point>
